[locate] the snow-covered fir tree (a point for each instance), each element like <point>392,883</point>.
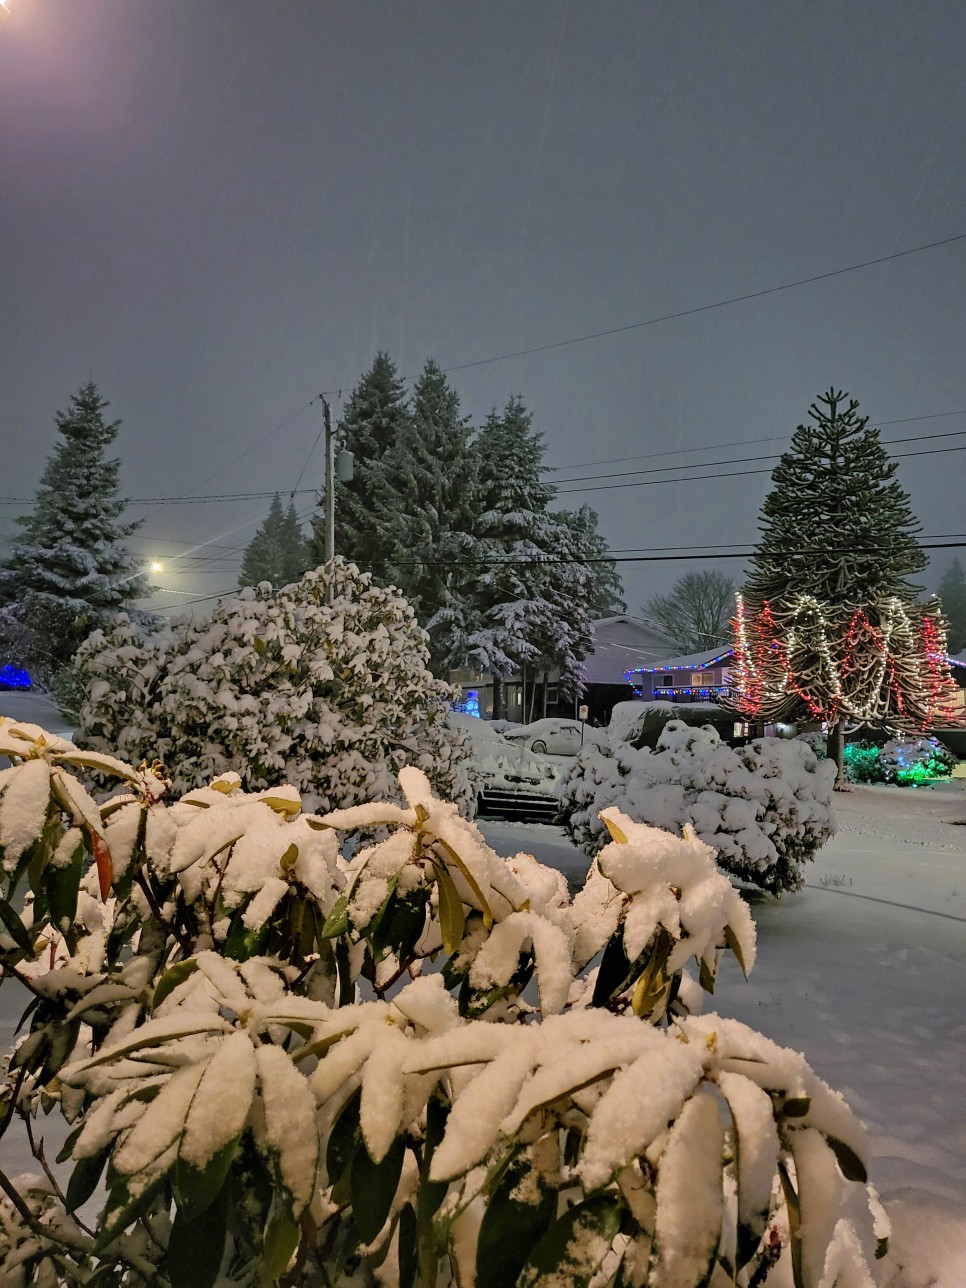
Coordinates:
<point>278,552</point>
<point>376,413</point>
<point>952,593</point>
<point>829,626</point>
<point>533,597</point>
<point>71,571</point>
<point>607,594</point>
<point>425,508</point>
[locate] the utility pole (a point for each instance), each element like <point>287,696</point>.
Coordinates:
<point>329,492</point>
<point>329,484</point>
<point>337,465</point>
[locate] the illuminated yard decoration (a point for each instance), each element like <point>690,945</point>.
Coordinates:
<point>884,664</point>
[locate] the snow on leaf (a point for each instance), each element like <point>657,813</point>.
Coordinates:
<point>383,1090</point>
<point>637,1106</point>
<point>157,1031</point>
<point>498,959</point>
<point>690,1196</point>
<point>221,1102</point>
<point>161,1123</point>
<point>474,1122</point>
<point>820,1187</point>
<point>97,760</point>
<point>290,1127</point>
<point>23,809</point>
<point>757,1153</point>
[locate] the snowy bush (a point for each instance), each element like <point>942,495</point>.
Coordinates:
<point>280,686</point>
<point>907,762</point>
<point>267,1081</point>
<point>765,808</point>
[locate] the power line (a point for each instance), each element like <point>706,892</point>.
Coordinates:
<point>724,474</point>
<point>745,460</point>
<point>738,442</point>
<point>706,308</point>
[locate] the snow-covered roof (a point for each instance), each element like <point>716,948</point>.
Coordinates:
<point>622,642</point>
<point>690,661</point>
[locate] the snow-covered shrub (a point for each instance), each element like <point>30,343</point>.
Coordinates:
<point>246,1036</point>
<point>862,762</point>
<point>765,808</point>
<point>816,740</point>
<point>908,761</point>
<point>323,684</point>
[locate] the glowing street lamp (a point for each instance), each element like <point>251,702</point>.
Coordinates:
<point>156,565</point>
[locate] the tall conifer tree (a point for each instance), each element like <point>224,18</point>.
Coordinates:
<point>828,626</point>
<point>278,552</point>
<point>532,604</point>
<point>375,415</point>
<point>425,508</point>
<point>71,570</point>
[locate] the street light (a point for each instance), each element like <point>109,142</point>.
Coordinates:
<point>156,566</point>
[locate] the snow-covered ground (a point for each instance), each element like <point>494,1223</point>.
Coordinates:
<point>864,971</point>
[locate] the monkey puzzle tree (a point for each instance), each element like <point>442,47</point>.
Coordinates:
<point>829,626</point>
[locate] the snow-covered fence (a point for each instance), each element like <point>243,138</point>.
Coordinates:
<point>268,1088</point>
<point>323,685</point>
<point>765,808</point>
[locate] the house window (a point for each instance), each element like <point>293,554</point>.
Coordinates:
<point>667,681</point>
<point>697,679</point>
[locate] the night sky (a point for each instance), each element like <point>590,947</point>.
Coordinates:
<point>219,208</point>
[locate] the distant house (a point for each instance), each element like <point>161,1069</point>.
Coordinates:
<point>620,643</point>
<point>693,677</point>
<point>954,736</point>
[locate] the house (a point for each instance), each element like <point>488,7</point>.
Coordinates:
<point>620,643</point>
<point>693,677</point>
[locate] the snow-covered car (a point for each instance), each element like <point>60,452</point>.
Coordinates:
<point>513,781</point>
<point>551,737</point>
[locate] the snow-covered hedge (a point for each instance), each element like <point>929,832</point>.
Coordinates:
<point>280,686</point>
<point>271,1084</point>
<point>765,807</point>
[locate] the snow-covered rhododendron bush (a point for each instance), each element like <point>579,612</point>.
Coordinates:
<point>418,1065</point>
<point>323,684</point>
<point>765,808</point>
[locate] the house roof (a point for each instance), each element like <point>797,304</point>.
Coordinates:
<point>689,661</point>
<point>622,643</point>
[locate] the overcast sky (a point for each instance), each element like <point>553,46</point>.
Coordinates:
<point>218,208</point>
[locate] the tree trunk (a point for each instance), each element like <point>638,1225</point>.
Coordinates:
<point>546,686</point>
<point>499,697</point>
<point>835,749</point>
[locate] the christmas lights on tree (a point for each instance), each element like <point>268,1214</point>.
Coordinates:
<point>828,627</point>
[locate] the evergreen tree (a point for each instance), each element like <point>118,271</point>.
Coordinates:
<point>278,552</point>
<point>607,592</point>
<point>828,626</point>
<point>952,593</point>
<point>425,508</point>
<point>533,596</point>
<point>71,571</point>
<point>375,415</point>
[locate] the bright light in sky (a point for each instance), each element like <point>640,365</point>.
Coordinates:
<point>156,566</point>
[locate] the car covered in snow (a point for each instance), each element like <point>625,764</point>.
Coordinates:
<point>549,737</point>
<point>513,781</point>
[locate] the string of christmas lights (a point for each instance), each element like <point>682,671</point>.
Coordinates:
<point>885,663</point>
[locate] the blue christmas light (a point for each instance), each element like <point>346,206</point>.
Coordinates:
<point>12,677</point>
